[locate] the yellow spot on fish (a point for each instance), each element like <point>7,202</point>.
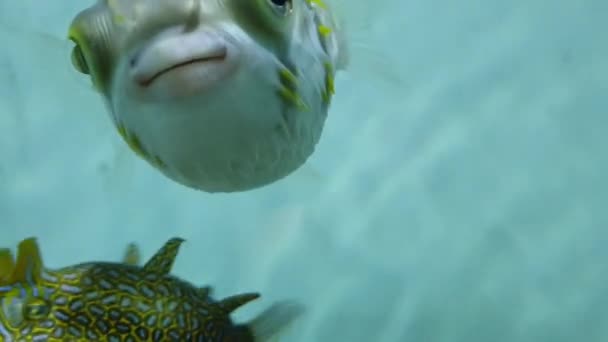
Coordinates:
<point>288,78</point>
<point>324,30</point>
<point>114,8</point>
<point>288,90</point>
<point>329,83</point>
<point>135,145</point>
<point>132,140</point>
<point>292,98</point>
<point>119,19</point>
<point>159,163</point>
<point>319,3</point>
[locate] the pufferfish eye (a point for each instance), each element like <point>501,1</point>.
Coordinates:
<point>282,7</point>
<point>17,310</point>
<point>78,60</point>
<point>36,309</point>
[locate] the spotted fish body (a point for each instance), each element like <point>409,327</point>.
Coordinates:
<point>107,301</point>
<point>250,111</point>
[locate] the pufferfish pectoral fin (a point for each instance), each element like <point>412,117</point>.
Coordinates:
<point>162,262</point>
<point>132,255</point>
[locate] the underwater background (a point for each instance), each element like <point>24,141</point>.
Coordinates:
<point>458,193</point>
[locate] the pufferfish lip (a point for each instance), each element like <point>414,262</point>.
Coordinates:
<point>172,53</point>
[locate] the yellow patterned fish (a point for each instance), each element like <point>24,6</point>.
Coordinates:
<point>121,302</point>
<point>219,95</point>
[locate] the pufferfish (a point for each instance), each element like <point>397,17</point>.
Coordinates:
<point>219,95</point>
<point>121,302</point>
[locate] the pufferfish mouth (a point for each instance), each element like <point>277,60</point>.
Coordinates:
<point>182,58</point>
<point>216,56</point>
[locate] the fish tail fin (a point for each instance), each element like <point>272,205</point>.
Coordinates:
<point>269,325</point>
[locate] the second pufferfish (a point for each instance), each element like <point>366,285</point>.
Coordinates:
<point>219,95</point>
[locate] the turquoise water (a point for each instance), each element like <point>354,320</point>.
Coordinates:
<point>458,192</point>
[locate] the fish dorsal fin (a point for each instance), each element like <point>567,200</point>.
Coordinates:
<point>229,304</point>
<point>203,291</point>
<point>7,265</point>
<point>132,255</point>
<point>162,262</point>
<point>28,267</point>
